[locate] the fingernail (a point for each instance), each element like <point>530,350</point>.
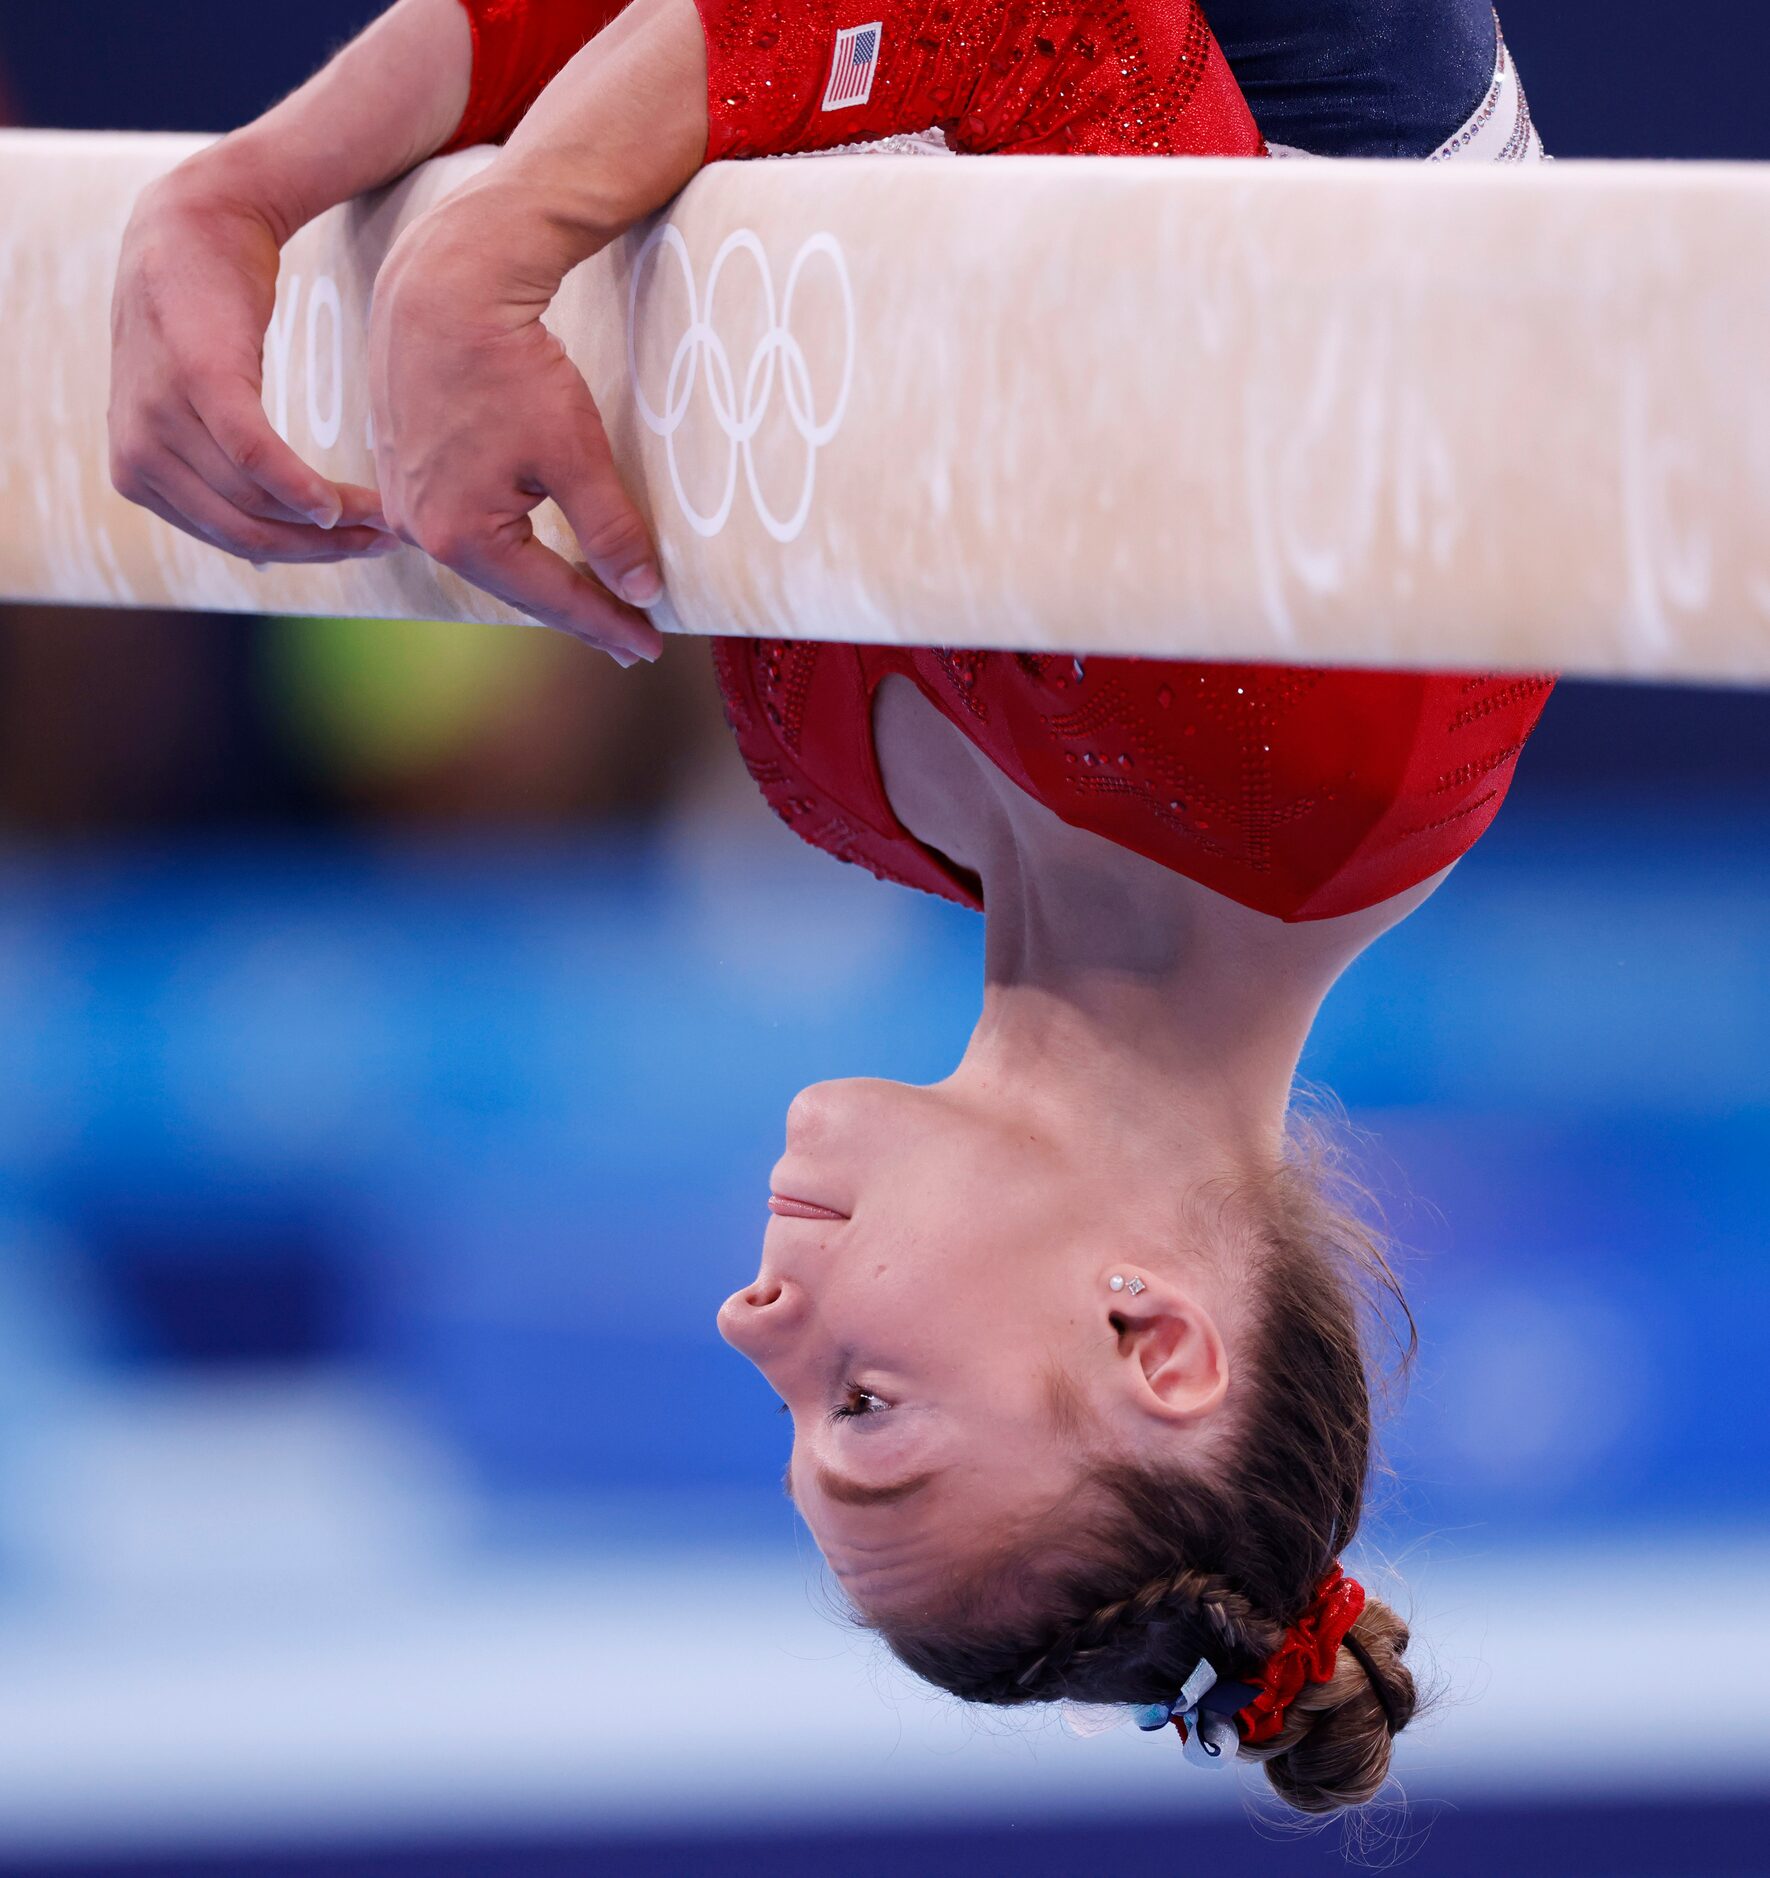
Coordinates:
<point>640,586</point>
<point>388,544</point>
<point>625,660</point>
<point>327,515</point>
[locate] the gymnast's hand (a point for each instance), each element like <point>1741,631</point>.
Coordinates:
<point>479,413</point>
<point>480,416</point>
<point>190,441</point>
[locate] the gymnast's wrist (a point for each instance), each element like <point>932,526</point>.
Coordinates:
<point>529,234</point>
<point>458,266</point>
<point>233,174</point>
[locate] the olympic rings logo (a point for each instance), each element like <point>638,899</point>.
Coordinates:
<point>739,412</point>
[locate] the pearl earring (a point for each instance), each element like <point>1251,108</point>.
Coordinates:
<point>1117,1282</point>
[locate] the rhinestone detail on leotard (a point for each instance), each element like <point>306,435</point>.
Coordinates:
<point>1302,793</point>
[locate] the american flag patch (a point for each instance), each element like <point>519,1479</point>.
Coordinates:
<point>851,73</point>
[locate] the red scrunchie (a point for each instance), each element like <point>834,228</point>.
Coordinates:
<point>1307,1655</point>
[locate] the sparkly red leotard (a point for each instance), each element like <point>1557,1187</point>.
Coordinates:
<point>1298,792</point>
<point>1104,77</point>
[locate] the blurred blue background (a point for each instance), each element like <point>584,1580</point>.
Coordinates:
<point>396,1025</point>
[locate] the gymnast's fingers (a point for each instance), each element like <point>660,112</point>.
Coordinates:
<point>204,455</point>
<point>232,413</point>
<point>610,530</point>
<point>262,529</point>
<point>514,566</point>
<point>156,504</point>
<point>177,494</point>
<point>193,444</point>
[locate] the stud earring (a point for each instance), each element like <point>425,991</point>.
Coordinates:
<point>1118,1282</point>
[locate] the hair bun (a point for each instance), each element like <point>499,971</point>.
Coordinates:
<point>1335,1747</point>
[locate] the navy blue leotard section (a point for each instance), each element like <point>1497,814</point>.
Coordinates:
<point>1349,78</point>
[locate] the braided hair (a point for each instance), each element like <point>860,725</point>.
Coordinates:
<point>1115,1595</point>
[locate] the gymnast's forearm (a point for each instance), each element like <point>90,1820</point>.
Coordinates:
<point>479,413</point>
<point>615,135</point>
<point>392,98</point>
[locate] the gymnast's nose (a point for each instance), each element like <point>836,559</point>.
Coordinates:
<point>760,1320</point>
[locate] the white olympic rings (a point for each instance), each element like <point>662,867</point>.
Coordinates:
<point>702,346</point>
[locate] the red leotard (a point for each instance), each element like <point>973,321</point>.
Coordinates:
<point>1106,77</point>
<point>519,48</point>
<point>1299,792</point>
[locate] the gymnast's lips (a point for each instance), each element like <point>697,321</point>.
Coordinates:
<point>789,1208</point>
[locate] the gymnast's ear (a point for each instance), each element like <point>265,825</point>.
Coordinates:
<point>1172,1363</point>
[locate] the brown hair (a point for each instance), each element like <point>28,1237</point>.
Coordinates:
<point>1114,1596</point>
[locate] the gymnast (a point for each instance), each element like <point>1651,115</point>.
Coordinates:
<point>1078,1344</point>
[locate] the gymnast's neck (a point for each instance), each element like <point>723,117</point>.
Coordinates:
<point>1167,1009</point>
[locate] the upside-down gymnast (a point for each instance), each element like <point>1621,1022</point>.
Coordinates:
<point>1078,1348</point>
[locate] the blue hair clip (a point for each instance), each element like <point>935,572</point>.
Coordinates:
<point>1206,1710</point>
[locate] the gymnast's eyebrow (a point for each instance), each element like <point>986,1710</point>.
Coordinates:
<point>852,1493</point>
